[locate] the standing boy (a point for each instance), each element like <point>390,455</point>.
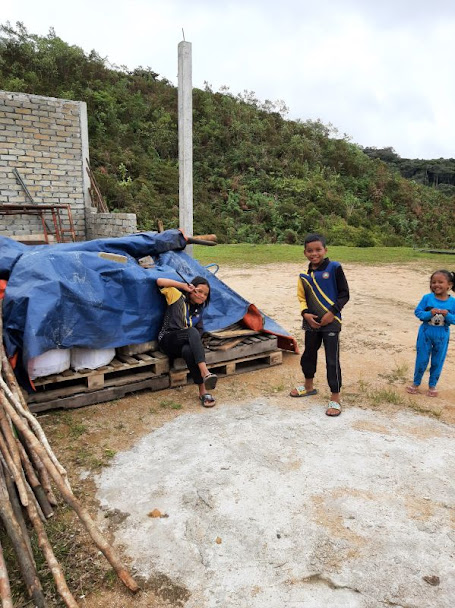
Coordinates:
<point>322,293</point>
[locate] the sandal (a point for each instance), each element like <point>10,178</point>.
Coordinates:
<point>207,400</point>
<point>300,391</point>
<point>413,390</point>
<point>210,381</point>
<point>432,392</point>
<point>333,405</point>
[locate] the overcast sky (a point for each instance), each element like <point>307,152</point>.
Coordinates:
<point>381,72</point>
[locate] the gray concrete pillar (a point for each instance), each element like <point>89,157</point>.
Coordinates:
<point>83,121</point>
<point>185,125</point>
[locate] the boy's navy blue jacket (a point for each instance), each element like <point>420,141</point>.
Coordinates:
<point>323,289</point>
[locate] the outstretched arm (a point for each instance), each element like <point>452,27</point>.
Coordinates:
<point>163,282</point>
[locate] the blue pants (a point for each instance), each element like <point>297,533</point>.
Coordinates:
<point>432,341</point>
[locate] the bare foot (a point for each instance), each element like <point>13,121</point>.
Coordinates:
<point>432,392</point>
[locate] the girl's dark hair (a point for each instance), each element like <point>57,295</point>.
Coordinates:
<point>450,276</point>
<point>312,238</point>
<point>201,281</point>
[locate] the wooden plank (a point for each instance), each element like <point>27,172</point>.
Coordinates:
<point>232,333</point>
<point>116,363</point>
<point>95,381</point>
<point>228,368</point>
<point>178,378</point>
<point>107,394</point>
<point>126,359</point>
<point>134,349</point>
<point>126,384</point>
<point>33,239</point>
<point>144,357</point>
<point>226,344</point>
<point>242,350</point>
<point>250,364</point>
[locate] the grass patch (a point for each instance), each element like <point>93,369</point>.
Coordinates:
<point>399,373</point>
<point>170,404</point>
<point>245,254</point>
<point>413,405</point>
<point>278,388</point>
<point>85,457</point>
<point>73,428</point>
<point>385,395</point>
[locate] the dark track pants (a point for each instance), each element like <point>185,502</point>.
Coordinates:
<point>185,343</point>
<point>309,359</point>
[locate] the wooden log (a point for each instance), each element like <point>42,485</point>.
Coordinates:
<point>5,589</point>
<point>205,237</point>
<point>35,483</point>
<point>17,399</point>
<point>22,409</point>
<point>71,500</point>
<point>191,240</point>
<point>26,565</point>
<point>16,506</point>
<point>52,562</point>
<point>15,471</point>
<point>99,200</point>
<point>41,471</point>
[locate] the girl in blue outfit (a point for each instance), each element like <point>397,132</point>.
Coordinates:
<point>436,310</point>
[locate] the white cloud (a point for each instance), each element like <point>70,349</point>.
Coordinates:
<point>381,72</point>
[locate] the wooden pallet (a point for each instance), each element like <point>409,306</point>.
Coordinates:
<point>251,346</point>
<point>123,374</point>
<point>58,399</point>
<point>228,368</point>
<point>255,352</point>
<point>126,374</point>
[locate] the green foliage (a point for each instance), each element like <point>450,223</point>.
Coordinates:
<point>439,173</point>
<point>258,178</point>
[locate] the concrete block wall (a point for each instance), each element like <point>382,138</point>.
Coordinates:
<point>107,225</point>
<point>46,140</point>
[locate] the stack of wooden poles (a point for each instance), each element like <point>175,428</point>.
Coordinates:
<point>28,468</point>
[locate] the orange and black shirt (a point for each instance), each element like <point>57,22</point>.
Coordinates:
<point>180,312</point>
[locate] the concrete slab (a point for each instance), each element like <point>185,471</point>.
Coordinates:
<point>266,507</point>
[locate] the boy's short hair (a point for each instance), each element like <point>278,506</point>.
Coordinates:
<point>312,238</point>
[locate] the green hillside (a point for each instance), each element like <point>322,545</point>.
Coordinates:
<point>258,178</point>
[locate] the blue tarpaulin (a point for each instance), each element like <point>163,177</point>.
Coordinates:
<point>66,295</point>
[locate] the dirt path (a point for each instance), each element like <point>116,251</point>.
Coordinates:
<point>377,359</point>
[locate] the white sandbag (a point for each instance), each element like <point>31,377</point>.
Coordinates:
<point>51,362</point>
<point>91,358</point>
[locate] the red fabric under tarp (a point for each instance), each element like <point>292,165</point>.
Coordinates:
<point>253,319</point>
<point>3,283</point>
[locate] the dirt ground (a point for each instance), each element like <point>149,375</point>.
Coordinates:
<point>377,357</point>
